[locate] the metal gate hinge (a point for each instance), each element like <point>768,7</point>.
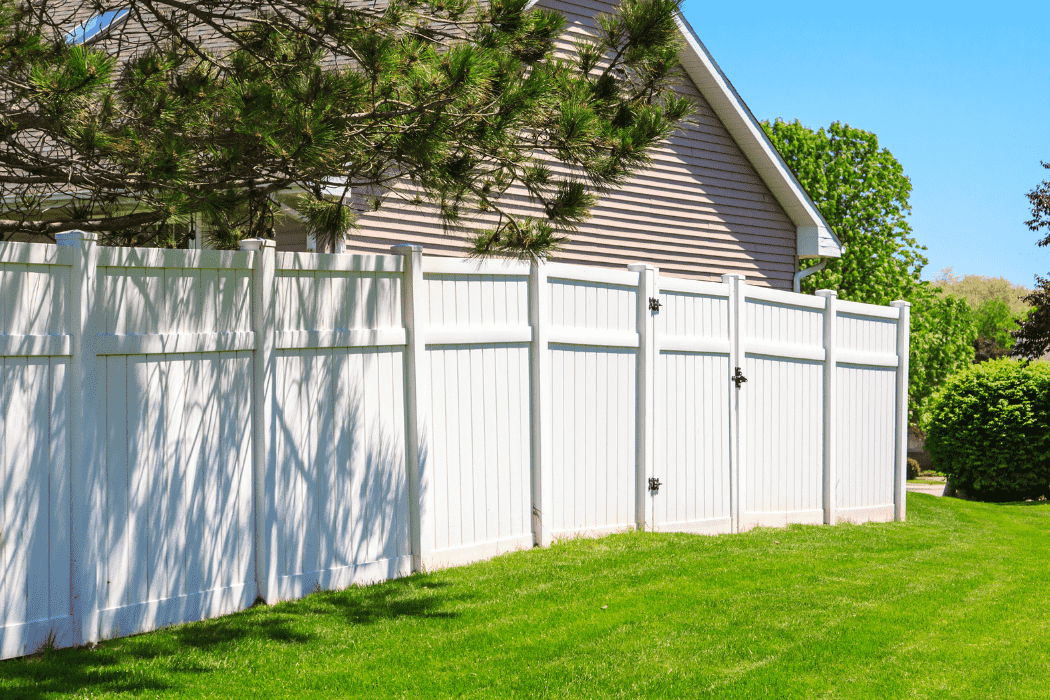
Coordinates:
<point>738,378</point>
<point>654,304</point>
<point>654,483</point>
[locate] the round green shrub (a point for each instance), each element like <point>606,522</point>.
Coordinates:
<point>988,429</point>
<point>913,468</point>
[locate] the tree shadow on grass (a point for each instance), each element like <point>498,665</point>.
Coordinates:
<point>1045,503</point>
<point>292,622</point>
<point>106,669</point>
<point>69,671</point>
<point>416,596</point>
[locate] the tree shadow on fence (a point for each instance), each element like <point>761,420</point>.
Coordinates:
<point>127,664</point>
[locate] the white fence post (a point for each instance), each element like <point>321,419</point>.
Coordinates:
<point>736,283</point>
<point>540,386</point>
<point>830,368</point>
<point>644,401</point>
<point>87,416</point>
<point>900,462</point>
<point>417,400</point>
<point>264,428</point>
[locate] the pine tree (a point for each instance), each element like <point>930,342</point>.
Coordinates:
<point>229,111</point>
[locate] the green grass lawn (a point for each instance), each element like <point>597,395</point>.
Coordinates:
<point>955,603</point>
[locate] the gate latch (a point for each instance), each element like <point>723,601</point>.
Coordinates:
<point>654,304</point>
<point>654,483</point>
<point>738,378</point>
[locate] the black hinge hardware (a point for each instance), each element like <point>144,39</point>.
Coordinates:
<point>738,378</point>
<point>654,483</point>
<point>654,304</point>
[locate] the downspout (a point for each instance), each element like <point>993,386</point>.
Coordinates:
<point>796,281</point>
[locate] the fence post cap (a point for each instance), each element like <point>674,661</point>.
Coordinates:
<point>641,267</point>
<point>257,244</point>
<point>900,303</point>
<point>74,237</point>
<point>406,249</point>
<point>734,275</point>
<point>827,293</point>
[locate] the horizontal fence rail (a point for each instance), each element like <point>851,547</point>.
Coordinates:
<point>184,432</point>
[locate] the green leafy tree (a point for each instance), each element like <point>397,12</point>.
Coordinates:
<point>943,333</point>
<point>220,110</point>
<point>978,289</point>
<point>862,192</point>
<point>998,309</point>
<point>1033,338</point>
<point>993,322</point>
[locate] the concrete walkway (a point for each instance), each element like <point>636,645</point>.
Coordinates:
<point>932,489</point>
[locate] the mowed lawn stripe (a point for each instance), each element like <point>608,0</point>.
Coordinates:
<point>951,604</point>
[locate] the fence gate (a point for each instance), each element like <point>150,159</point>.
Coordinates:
<point>692,427</point>
<point>772,408</point>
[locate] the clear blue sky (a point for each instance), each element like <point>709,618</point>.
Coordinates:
<point>958,92</point>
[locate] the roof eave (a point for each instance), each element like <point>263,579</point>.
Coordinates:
<point>814,237</point>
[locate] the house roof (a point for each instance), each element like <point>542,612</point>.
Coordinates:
<point>814,235</point>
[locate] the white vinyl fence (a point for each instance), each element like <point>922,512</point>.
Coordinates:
<point>182,432</point>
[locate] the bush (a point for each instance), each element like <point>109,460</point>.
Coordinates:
<point>913,469</point>
<point>988,430</point>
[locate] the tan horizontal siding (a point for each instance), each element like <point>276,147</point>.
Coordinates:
<point>693,263</point>
<point>698,210</point>
<point>644,229</point>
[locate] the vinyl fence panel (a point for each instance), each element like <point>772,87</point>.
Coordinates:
<point>782,470</point>
<point>692,421</point>
<point>177,368</point>
<point>34,449</point>
<point>342,499</point>
<point>866,386</point>
<point>478,356</point>
<point>253,423</point>
<point>593,360</point>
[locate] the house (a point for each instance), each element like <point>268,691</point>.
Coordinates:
<point>718,198</point>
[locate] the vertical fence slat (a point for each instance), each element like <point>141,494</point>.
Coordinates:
<point>17,532</point>
<point>58,573</point>
<point>417,388</point>
<point>264,428</point>
<point>117,489</point>
<point>195,469</point>
<point>645,368</point>
<point>900,462</point>
<point>88,462</point>
<point>541,378</point>
<point>38,461</point>
<point>830,480</point>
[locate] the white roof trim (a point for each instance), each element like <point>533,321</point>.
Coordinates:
<point>814,237</point>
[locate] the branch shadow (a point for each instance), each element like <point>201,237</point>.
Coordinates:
<point>110,666</point>
<point>74,671</point>
<point>392,600</point>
